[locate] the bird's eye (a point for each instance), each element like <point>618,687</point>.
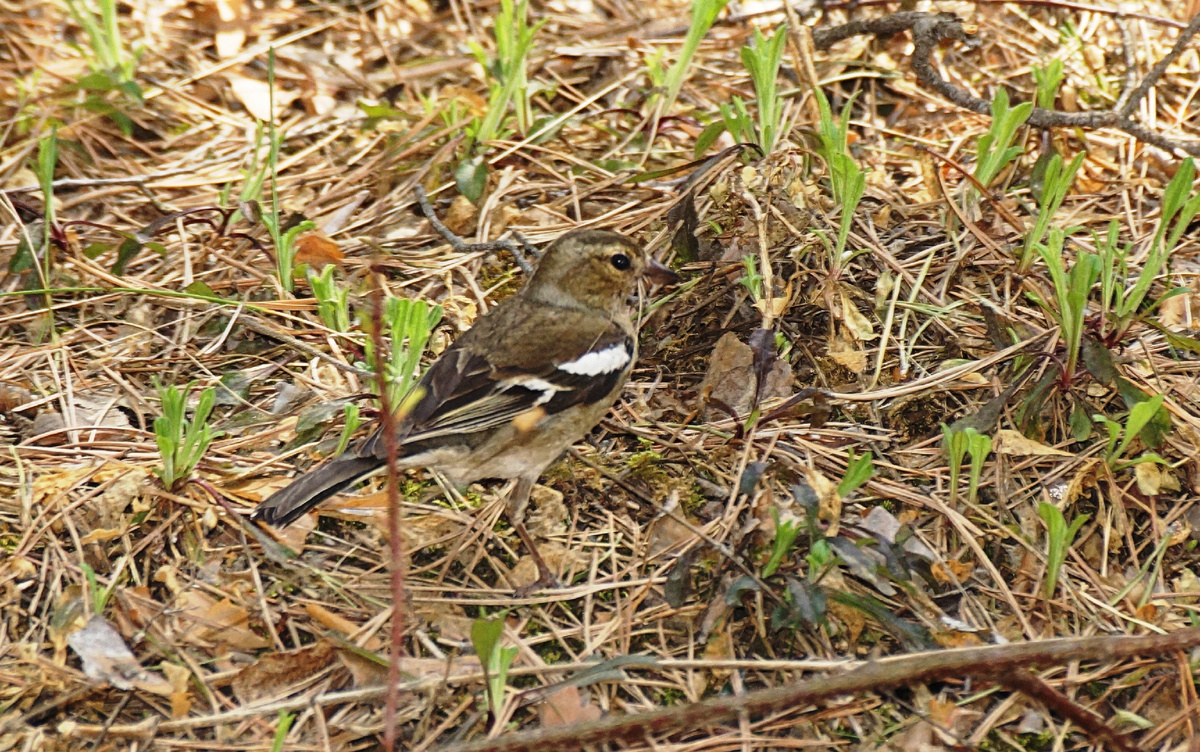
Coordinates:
<point>621,261</point>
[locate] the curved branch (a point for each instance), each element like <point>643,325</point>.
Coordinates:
<point>931,29</point>
<point>993,660</point>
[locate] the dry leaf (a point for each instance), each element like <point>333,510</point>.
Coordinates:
<point>566,706</point>
<point>952,571</point>
<point>364,671</point>
<point>1084,477</point>
<point>1015,443</point>
<point>106,657</point>
<point>229,26</point>
<point>180,678</point>
<point>853,619</point>
<point>730,379</point>
<point>858,325</point>
<point>719,647</point>
<point>337,623</point>
<point>845,351</point>
<point>829,501</point>
<point>317,249</point>
<point>279,675</point>
<point>462,217</point>
<point>559,559</point>
<point>295,535</point>
<point>1149,479</point>
<point>223,622</point>
<point>255,96</point>
<point>549,516</point>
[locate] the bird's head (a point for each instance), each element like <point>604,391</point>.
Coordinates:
<point>595,269</point>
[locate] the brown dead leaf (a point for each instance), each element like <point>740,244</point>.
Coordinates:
<point>846,352</point>
<point>462,217</point>
<point>668,531</point>
<point>1084,477</point>
<point>955,638</point>
<point>730,379</point>
<point>229,19</point>
<point>566,706</point>
<point>317,249</point>
<point>295,535</point>
<point>180,678</point>
<point>477,105</point>
<point>1149,478</point>
<point>559,559</point>
<point>829,501</point>
<point>255,96</point>
<point>952,571</point>
<point>549,515</point>
<point>222,623</point>
<point>857,324</point>
<point>364,671</point>
<point>719,647</point>
<point>1015,443</point>
<point>338,623</point>
<point>278,675</point>
<point>853,619</point>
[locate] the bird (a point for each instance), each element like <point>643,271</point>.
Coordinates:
<point>530,378</point>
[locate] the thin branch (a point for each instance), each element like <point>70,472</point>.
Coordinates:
<point>391,443</point>
<point>1035,688</point>
<point>461,246</point>
<point>898,671</point>
<point>931,29</point>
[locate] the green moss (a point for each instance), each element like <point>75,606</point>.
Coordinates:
<point>645,466</point>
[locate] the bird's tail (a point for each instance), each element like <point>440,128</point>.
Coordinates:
<point>291,502</point>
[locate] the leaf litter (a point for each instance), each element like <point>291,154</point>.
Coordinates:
<point>660,521</point>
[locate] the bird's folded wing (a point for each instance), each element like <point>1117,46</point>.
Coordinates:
<point>465,393</point>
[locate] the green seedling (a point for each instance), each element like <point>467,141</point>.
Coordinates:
<point>787,527</point>
<point>995,149</point>
<point>859,470</point>
<point>955,444</point>
<point>1071,288</point>
<point>751,279</point>
<point>1048,80</point>
<point>281,730</point>
<point>1059,538</point>
<point>762,59</point>
<point>704,15</point>
<point>847,180</point>
<point>113,66</point>
<point>283,238</point>
<point>409,324</point>
<point>333,300</point>
<point>494,658</point>
<point>1122,305</point>
<point>100,595</point>
<point>182,443</point>
<point>350,424</point>
<point>1056,181</point>
<point>959,444</point>
<point>1121,437</point>
<point>979,446</point>
<point>513,36</point>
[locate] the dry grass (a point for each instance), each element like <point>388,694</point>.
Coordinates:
<point>204,604</point>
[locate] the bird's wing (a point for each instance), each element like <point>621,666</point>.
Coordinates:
<point>490,377</point>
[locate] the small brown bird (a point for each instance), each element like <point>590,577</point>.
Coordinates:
<point>530,378</point>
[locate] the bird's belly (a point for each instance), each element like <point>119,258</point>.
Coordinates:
<point>515,453</point>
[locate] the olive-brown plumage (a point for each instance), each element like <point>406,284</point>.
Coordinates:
<point>530,378</point>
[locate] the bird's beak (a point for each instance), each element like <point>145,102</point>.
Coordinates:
<point>659,274</point>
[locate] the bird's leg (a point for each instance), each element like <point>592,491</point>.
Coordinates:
<point>518,500</point>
